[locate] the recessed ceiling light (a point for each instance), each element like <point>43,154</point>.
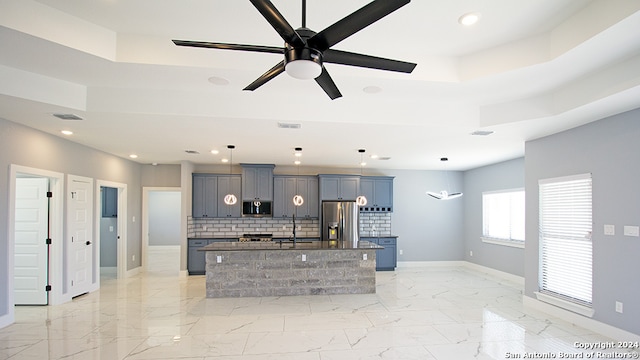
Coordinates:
<point>469,19</point>
<point>373,156</point>
<point>225,160</point>
<point>67,132</point>
<point>133,156</point>
<point>297,162</point>
<point>215,152</point>
<point>372,89</point>
<point>218,81</point>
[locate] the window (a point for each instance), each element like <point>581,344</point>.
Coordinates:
<point>565,239</point>
<point>503,217</point>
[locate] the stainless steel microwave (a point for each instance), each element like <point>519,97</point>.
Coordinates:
<point>256,208</point>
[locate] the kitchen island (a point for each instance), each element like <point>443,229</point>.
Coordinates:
<point>248,269</point>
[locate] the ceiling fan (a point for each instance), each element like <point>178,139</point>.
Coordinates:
<point>305,51</point>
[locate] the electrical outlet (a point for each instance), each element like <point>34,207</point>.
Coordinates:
<point>619,307</point>
<point>284,227</point>
<point>204,227</point>
<point>609,229</point>
<point>470,252</point>
<point>299,227</point>
<point>233,227</point>
<point>401,252</point>
<point>364,256</point>
<point>133,258</point>
<point>631,231</point>
<point>219,259</point>
<point>304,257</point>
<point>257,229</point>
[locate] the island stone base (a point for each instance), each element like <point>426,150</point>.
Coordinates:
<point>290,272</point>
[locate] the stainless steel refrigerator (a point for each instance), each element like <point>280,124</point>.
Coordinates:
<point>340,221</point>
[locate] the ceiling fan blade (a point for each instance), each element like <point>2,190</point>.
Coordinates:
<point>366,61</point>
<point>224,46</point>
<point>354,22</point>
<point>278,22</point>
<point>326,83</point>
<point>270,74</point>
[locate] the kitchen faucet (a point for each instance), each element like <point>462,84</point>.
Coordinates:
<point>294,229</point>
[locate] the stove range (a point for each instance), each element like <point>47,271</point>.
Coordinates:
<point>256,237</point>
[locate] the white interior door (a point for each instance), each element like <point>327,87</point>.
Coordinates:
<point>80,233</point>
<point>31,231</point>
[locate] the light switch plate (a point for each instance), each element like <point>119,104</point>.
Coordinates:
<point>609,229</point>
<point>631,230</point>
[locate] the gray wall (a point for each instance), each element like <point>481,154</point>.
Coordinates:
<point>609,149</point>
<point>501,176</point>
<point>427,229</point>
<point>164,218</point>
<point>108,242</point>
<point>24,146</point>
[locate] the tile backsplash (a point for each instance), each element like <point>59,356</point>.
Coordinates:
<point>233,228</point>
<point>371,224</point>
<point>375,224</point>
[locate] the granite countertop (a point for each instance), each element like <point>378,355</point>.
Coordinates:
<point>288,245</point>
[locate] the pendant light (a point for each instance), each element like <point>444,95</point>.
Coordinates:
<point>361,200</point>
<point>298,200</point>
<point>230,198</point>
<point>444,194</point>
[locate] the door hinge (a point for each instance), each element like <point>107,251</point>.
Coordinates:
<point>47,288</point>
<point>49,194</point>
<point>47,241</point>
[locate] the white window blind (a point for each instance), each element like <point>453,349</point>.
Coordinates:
<point>503,215</point>
<point>565,238</point>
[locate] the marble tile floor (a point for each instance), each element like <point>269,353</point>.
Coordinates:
<point>417,313</point>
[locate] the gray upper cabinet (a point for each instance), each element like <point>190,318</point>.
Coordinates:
<point>339,187</point>
<point>257,182</point>
<point>310,207</point>
<point>205,194</point>
<point>286,187</point>
<point>379,193</point>
<point>229,184</point>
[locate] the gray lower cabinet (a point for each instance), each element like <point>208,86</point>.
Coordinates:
<point>196,260</point>
<point>386,259</point>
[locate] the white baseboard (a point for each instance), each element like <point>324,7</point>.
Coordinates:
<point>419,264</point>
<point>162,248</point>
<point>483,269</point>
<point>585,322</point>
<point>501,274</point>
<point>6,320</point>
<point>133,272</point>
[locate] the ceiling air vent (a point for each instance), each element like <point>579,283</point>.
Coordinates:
<point>482,132</point>
<point>195,152</point>
<point>288,126</point>
<point>68,116</point>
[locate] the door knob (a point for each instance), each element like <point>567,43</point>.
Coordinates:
<point>88,242</point>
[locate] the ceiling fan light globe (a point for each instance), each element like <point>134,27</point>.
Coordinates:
<point>303,69</point>
<point>303,63</point>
